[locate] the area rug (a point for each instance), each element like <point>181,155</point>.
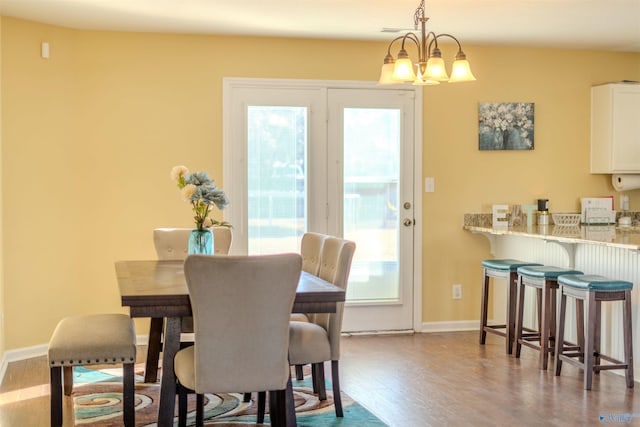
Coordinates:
<point>97,397</point>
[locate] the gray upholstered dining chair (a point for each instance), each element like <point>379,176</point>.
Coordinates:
<point>241,307</point>
<point>318,341</point>
<point>172,244</point>
<point>311,250</point>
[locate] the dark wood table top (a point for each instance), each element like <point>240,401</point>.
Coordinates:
<point>158,289</point>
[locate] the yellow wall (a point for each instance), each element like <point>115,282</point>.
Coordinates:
<point>90,135</point>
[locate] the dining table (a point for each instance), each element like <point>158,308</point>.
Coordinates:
<point>158,289</point>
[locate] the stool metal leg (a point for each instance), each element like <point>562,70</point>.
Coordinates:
<point>590,308</point>
<point>519,316</point>
<point>511,311</point>
<point>596,337</point>
<point>544,325</point>
<point>560,332</point>
<point>484,307</point>
<point>628,338</point>
<point>580,327</point>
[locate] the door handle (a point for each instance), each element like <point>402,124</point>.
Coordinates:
<point>408,222</point>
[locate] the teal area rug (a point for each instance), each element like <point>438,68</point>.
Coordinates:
<point>97,397</point>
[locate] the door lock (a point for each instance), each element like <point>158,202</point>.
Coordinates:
<point>408,222</point>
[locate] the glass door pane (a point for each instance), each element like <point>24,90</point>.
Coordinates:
<point>276,178</point>
<point>371,193</point>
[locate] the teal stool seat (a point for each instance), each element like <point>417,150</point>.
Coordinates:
<point>589,291</point>
<point>545,271</point>
<point>500,269</point>
<point>594,282</point>
<point>505,264</point>
<point>544,279</point>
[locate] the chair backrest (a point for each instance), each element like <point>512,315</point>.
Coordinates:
<point>335,266</point>
<point>241,307</point>
<point>311,250</point>
<point>173,243</point>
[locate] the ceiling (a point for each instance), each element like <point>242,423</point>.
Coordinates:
<point>612,25</point>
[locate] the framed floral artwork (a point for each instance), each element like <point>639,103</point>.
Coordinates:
<point>505,125</point>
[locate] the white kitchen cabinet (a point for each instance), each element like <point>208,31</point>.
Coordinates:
<point>615,128</point>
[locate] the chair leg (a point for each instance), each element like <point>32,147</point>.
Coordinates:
<point>314,378</point>
<point>199,410</point>
<point>277,408</point>
<point>246,397</point>
<point>318,380</point>
<point>262,400</point>
<point>182,406</point>
<point>153,350</point>
<point>335,379</point>
<point>55,381</point>
<point>128,395</point>
<point>67,380</point>
<point>299,374</point>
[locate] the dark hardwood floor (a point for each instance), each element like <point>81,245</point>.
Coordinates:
<point>439,379</point>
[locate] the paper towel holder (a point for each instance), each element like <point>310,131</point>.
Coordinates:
<point>624,182</point>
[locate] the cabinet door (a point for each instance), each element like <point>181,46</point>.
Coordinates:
<point>615,128</point>
<point>625,129</point>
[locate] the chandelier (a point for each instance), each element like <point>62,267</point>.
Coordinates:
<point>430,66</point>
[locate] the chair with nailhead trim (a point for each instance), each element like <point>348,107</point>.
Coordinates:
<point>92,340</point>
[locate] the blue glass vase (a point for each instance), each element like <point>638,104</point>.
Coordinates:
<point>201,242</point>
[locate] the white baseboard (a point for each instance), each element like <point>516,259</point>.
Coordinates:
<point>455,326</point>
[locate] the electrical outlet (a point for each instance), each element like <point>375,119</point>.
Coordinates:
<point>624,202</point>
<point>457,291</point>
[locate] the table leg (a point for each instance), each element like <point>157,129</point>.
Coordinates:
<point>168,380</point>
<point>153,350</point>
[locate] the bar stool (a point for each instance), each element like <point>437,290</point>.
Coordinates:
<point>500,269</point>
<point>589,291</point>
<point>545,280</point>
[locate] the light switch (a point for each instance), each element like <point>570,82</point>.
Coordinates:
<point>429,184</point>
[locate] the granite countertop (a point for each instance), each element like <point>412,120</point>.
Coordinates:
<point>608,235</point>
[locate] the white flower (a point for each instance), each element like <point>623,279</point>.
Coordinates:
<point>178,173</point>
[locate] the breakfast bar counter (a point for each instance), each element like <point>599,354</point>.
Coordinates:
<point>604,250</point>
<point>606,235</point>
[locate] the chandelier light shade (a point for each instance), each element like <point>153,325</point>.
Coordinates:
<point>430,68</point>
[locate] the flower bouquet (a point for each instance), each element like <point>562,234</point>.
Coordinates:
<point>201,191</point>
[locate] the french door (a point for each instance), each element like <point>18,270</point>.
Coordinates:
<point>311,156</point>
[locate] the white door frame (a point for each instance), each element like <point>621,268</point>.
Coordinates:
<point>231,83</point>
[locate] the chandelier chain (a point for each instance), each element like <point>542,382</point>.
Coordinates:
<point>418,16</point>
